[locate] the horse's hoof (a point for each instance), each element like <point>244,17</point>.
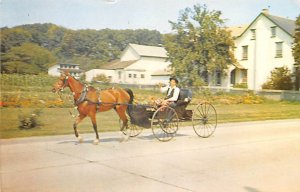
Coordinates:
<point>80,139</point>
<point>124,138</point>
<point>96,142</point>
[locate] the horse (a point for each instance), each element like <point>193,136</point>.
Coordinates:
<point>89,101</point>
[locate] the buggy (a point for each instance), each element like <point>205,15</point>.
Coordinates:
<point>164,120</point>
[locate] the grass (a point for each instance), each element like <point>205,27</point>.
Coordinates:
<point>57,121</point>
<point>24,93</point>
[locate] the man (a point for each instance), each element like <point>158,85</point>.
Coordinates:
<point>172,93</point>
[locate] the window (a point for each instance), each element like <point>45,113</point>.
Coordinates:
<point>120,74</point>
<point>278,53</point>
<point>129,75</point>
<point>244,76</point>
<point>218,77</point>
<point>273,31</point>
<point>142,76</point>
<point>134,75</point>
<point>245,52</point>
<point>232,76</point>
<point>204,76</point>
<point>253,34</point>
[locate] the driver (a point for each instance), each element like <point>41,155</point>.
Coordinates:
<point>172,93</point>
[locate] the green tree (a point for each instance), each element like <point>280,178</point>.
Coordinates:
<point>200,47</point>
<point>90,48</point>
<point>13,37</point>
<point>281,79</point>
<point>28,58</point>
<point>296,53</point>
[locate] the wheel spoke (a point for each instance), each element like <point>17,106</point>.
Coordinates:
<point>204,119</point>
<point>164,123</point>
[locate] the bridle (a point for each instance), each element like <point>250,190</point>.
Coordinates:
<point>61,89</point>
<point>65,83</point>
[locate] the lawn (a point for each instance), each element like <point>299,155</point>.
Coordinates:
<point>56,121</point>
<point>21,94</point>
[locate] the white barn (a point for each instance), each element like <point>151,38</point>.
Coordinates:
<point>138,64</point>
<point>259,48</point>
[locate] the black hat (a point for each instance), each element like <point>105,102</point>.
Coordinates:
<point>174,78</point>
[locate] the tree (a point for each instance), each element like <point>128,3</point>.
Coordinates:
<point>200,47</point>
<point>28,58</point>
<point>296,53</point>
<point>89,48</point>
<point>13,37</point>
<point>281,79</point>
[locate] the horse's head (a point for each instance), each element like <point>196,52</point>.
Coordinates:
<point>61,83</point>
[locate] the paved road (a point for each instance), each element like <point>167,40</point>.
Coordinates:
<point>259,156</point>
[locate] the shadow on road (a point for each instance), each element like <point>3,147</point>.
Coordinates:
<point>251,189</point>
<point>115,139</point>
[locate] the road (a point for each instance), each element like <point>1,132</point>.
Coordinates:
<point>260,156</point>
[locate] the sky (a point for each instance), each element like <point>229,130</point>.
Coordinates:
<point>133,14</point>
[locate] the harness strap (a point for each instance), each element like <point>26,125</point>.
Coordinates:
<point>82,95</point>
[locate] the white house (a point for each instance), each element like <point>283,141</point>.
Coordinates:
<point>138,64</point>
<point>259,48</point>
<point>73,69</point>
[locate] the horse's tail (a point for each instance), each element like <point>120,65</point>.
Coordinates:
<point>129,91</point>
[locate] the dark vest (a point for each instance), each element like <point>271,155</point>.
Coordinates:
<point>171,94</point>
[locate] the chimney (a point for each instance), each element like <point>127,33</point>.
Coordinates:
<point>265,11</point>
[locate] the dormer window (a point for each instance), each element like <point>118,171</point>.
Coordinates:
<point>253,34</point>
<point>273,31</point>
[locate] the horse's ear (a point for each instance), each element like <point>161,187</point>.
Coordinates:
<point>67,73</point>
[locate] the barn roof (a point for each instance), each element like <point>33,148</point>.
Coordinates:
<point>117,64</point>
<point>149,51</point>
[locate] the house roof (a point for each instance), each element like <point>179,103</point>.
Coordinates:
<point>73,64</point>
<point>149,51</point>
<point>285,24</point>
<point>239,66</point>
<point>236,31</point>
<point>117,64</point>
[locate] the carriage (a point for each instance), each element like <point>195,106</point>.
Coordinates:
<point>164,120</point>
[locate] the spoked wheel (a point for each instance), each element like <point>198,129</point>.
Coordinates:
<point>132,130</point>
<point>204,119</point>
<point>164,123</point>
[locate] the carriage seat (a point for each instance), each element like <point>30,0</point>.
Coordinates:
<point>185,97</point>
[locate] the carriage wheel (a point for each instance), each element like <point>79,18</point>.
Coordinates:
<point>133,130</point>
<point>204,119</point>
<point>164,123</point>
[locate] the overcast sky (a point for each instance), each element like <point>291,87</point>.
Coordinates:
<point>133,14</point>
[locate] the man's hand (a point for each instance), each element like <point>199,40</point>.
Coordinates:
<point>160,84</point>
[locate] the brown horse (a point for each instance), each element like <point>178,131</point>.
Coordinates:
<point>89,101</point>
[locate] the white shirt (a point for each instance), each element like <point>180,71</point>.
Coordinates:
<point>175,95</point>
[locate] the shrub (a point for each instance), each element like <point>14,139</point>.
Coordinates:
<point>241,85</point>
<point>281,79</point>
<point>29,120</point>
<point>102,78</point>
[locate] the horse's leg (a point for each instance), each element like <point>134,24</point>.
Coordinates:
<point>121,111</point>
<point>78,120</point>
<point>94,122</point>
